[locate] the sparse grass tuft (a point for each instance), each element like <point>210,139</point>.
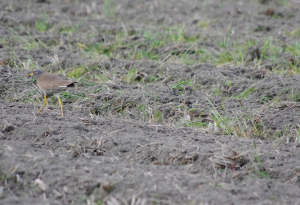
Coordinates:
<point>130,76</point>
<point>294,50</point>
<point>260,170</point>
<point>246,93</point>
<point>294,96</point>
<point>181,83</point>
<point>68,95</point>
<point>42,24</point>
<point>229,126</point>
<point>295,33</point>
<point>194,124</point>
<point>77,72</point>
<point>157,116</point>
<point>109,8</point>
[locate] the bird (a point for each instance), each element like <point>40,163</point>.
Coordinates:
<point>51,84</point>
<point>192,114</point>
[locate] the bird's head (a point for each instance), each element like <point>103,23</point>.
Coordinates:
<point>36,73</point>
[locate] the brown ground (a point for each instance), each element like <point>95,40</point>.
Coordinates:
<point>124,141</point>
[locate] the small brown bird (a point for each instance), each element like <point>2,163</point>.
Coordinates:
<point>192,114</point>
<point>51,84</point>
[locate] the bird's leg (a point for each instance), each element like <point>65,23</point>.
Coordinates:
<point>60,103</point>
<point>45,102</point>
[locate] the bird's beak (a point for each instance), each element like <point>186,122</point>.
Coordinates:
<point>31,74</point>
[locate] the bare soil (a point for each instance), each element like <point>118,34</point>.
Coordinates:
<point>125,141</point>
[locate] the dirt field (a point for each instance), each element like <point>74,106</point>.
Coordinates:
<point>126,137</point>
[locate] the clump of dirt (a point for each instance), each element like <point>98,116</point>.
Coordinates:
<point>127,137</point>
